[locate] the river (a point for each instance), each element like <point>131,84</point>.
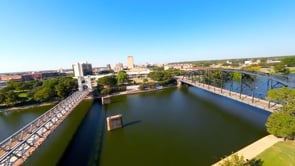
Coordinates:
<point>12,121</point>
<point>185,126</point>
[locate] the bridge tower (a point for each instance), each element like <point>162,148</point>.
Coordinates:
<point>88,82</point>
<point>84,82</point>
<point>80,84</point>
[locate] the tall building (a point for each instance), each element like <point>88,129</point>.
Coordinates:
<point>118,67</point>
<point>82,69</point>
<point>130,62</point>
<point>109,66</point>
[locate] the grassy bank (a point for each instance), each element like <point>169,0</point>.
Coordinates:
<point>50,152</point>
<point>292,70</point>
<point>26,107</point>
<point>282,153</point>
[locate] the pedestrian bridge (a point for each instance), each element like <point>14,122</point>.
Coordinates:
<point>213,80</point>
<point>283,80</point>
<point>15,149</point>
<point>249,100</point>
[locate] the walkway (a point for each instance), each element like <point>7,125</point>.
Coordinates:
<point>15,149</point>
<point>255,102</point>
<point>254,149</point>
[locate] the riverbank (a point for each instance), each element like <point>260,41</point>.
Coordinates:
<point>281,153</point>
<point>139,91</point>
<point>251,151</point>
<point>88,97</point>
<point>28,106</point>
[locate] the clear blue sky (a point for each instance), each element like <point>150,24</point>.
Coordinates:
<point>53,34</point>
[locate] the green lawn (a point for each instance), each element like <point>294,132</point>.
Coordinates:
<point>23,95</point>
<point>282,153</point>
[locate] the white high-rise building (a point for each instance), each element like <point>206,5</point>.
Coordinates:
<point>82,69</point>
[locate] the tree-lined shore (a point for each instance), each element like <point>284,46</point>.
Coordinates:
<point>19,94</point>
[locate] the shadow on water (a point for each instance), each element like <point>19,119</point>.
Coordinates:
<point>132,123</point>
<point>238,111</point>
<point>85,147</point>
<point>97,150</point>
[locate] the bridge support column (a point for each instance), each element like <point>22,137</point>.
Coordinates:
<point>106,100</point>
<point>179,83</point>
<point>269,87</point>
<point>241,85</point>
<point>80,85</point>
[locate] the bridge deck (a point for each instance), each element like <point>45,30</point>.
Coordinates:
<point>15,149</point>
<point>255,102</point>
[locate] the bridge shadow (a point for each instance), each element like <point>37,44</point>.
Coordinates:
<point>131,123</point>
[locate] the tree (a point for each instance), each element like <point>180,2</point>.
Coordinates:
<point>6,89</point>
<point>105,91</point>
<point>2,98</point>
<point>252,68</point>
<point>282,123</point>
<point>289,61</point>
<point>32,84</point>
<point>122,77</point>
<point>234,160</point>
<point>43,94</point>
<point>50,83</point>
<point>145,80</point>
<point>237,76</point>
<point>167,75</point>
<point>107,81</point>
<point>65,86</point>
<point>11,98</point>
<point>281,68</point>
<point>283,96</point>
<point>156,76</point>
<point>15,85</point>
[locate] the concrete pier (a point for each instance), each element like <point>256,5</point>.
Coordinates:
<point>114,122</point>
<point>179,83</point>
<point>106,100</point>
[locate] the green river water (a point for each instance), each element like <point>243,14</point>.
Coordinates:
<point>185,126</point>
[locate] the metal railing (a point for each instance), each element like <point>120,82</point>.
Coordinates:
<point>250,100</point>
<point>19,145</point>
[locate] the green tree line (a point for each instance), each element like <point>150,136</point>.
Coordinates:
<point>17,92</point>
<point>158,75</point>
<point>282,122</point>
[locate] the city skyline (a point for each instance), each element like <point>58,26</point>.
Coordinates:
<point>48,35</point>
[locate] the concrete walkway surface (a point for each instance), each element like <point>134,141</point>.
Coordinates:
<point>251,151</point>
